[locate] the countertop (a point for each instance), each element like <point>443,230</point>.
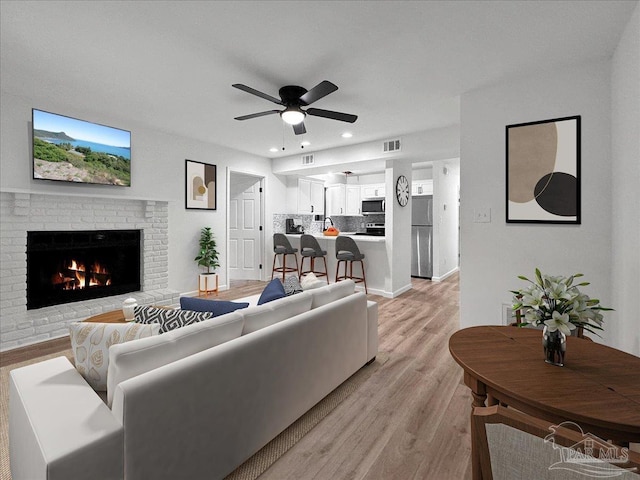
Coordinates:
<point>357,238</point>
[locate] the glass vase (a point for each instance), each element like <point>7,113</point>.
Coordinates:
<point>555,346</point>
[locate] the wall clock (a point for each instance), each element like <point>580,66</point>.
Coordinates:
<point>402,190</point>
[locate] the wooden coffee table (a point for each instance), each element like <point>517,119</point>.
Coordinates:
<point>598,388</point>
<point>115,316</point>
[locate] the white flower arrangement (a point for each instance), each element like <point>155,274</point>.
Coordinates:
<point>558,304</point>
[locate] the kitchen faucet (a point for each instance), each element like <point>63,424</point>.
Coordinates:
<point>330,222</point>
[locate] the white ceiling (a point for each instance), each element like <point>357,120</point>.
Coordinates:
<point>400,66</point>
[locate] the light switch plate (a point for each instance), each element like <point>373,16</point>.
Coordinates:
<point>482,215</point>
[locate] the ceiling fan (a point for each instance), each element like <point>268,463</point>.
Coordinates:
<point>293,98</point>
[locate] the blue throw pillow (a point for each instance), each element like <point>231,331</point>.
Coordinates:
<point>217,307</point>
<point>273,291</point>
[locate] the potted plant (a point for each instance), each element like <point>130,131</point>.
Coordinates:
<point>558,305</point>
<point>208,258</point>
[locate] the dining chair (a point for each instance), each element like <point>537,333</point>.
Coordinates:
<point>513,445</point>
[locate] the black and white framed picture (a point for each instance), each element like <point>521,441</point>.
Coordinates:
<point>200,179</point>
<point>543,171</point>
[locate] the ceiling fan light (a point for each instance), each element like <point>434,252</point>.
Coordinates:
<point>292,116</point>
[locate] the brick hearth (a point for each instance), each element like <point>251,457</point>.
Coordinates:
<point>22,212</point>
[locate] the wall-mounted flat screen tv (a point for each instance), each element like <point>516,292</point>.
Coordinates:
<point>70,150</point>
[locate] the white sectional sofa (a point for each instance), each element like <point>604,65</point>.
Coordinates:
<point>195,402</point>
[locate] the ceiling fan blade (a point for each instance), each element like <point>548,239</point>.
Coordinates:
<point>256,115</point>
<point>299,129</point>
<point>255,92</point>
<point>323,89</point>
<point>343,117</point>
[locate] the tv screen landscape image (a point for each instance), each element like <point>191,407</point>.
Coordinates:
<point>70,150</point>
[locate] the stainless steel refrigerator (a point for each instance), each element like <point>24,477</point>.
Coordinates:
<point>422,236</point>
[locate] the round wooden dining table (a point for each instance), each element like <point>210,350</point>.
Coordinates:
<point>598,388</point>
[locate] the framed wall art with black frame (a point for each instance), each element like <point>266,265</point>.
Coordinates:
<point>543,171</point>
<point>200,188</point>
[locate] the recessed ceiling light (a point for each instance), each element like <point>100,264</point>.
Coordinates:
<point>347,135</point>
<point>306,143</point>
<point>273,149</point>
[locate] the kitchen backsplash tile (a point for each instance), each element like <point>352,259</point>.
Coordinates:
<point>343,223</point>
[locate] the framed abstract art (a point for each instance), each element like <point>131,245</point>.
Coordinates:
<point>201,190</point>
<point>543,171</point>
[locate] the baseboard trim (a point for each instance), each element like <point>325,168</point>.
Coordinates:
<point>446,275</point>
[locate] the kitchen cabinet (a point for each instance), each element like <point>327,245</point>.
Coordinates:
<point>310,196</point>
<point>336,198</point>
<point>352,201</point>
<point>343,199</point>
<point>374,190</point>
<point>422,187</point>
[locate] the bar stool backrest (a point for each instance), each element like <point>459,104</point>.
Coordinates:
<point>310,242</point>
<point>347,244</point>
<point>280,240</point>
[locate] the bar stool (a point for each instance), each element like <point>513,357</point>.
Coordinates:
<point>281,246</point>
<point>310,248</point>
<point>348,252</point>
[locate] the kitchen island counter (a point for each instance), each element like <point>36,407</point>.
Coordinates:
<point>358,238</point>
<point>376,262</point>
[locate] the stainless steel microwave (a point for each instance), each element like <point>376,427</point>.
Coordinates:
<point>372,205</point>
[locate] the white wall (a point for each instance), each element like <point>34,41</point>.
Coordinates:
<point>445,218</point>
<point>625,161</point>
<point>493,254</point>
<point>158,171</point>
<point>397,230</point>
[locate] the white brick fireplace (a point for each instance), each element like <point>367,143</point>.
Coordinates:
<point>22,212</point>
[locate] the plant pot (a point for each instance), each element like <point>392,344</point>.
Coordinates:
<point>554,345</point>
<point>208,282</point>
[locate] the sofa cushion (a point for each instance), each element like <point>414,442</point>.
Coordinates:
<point>217,307</point>
<point>292,285</point>
<point>132,359</point>
<point>262,316</point>
<point>168,319</point>
<point>331,293</point>
<point>90,343</point>
<point>273,291</point>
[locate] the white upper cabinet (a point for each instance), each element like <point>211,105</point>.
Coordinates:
<point>336,197</point>
<point>374,190</point>
<point>310,196</point>
<point>422,187</point>
<point>353,203</point>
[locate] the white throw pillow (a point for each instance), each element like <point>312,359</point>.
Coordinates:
<point>310,281</point>
<point>90,344</point>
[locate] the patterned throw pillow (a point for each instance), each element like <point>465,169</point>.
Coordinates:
<point>168,319</point>
<point>292,285</point>
<point>90,344</point>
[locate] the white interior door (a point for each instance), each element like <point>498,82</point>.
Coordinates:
<point>245,227</point>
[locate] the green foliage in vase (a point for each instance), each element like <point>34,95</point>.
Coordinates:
<point>558,303</point>
<point>208,255</point>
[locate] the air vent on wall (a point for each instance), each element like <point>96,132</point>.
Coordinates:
<point>391,146</point>
<point>307,159</point>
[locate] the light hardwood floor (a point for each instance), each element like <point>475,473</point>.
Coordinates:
<point>408,420</point>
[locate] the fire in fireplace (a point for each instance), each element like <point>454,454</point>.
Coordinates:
<point>65,267</point>
<point>75,275</point>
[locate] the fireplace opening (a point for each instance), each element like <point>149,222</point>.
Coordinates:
<point>64,267</point>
